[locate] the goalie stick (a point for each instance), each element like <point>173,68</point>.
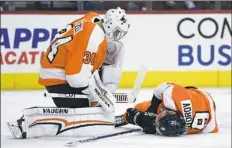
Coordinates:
<point>129,97</point>
<point>75,143</point>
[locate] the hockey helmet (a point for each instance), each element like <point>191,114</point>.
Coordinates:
<point>115,23</point>
<point>170,123</point>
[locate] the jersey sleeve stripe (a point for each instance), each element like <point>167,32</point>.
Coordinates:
<point>96,38</point>
<point>168,100</point>
<point>160,89</point>
<point>52,73</point>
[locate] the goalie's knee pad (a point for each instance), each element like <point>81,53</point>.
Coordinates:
<point>45,121</point>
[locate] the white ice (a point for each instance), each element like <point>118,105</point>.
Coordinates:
<point>12,103</point>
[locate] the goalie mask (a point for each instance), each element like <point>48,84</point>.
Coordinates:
<point>170,123</point>
<point>115,24</point>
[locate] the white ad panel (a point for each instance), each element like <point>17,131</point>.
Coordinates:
<point>161,42</point>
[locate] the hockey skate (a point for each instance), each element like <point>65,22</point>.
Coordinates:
<point>17,128</point>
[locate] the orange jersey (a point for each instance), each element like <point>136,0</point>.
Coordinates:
<point>197,106</point>
<point>80,47</point>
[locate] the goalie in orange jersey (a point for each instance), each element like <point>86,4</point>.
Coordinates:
<point>87,44</point>
<point>84,60</point>
<point>174,110</point>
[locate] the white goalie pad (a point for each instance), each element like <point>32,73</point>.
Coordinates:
<point>68,122</point>
<point>100,93</point>
<point>111,77</point>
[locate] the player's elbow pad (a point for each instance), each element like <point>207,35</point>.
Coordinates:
<point>80,79</point>
<point>160,89</point>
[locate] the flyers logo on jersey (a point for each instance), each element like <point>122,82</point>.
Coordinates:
<point>187,112</point>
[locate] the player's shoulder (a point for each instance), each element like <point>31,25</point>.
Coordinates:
<point>172,87</point>
<point>176,92</point>
<point>92,17</point>
<point>174,95</point>
<point>88,18</point>
<point>179,92</point>
<point>91,14</point>
<point>88,27</point>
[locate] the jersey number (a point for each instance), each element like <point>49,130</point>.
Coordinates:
<point>57,41</point>
<point>89,57</point>
<point>200,120</point>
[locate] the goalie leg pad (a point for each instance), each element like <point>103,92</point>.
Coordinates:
<point>67,122</point>
<point>100,93</point>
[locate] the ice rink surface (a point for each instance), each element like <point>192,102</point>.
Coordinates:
<point>12,103</point>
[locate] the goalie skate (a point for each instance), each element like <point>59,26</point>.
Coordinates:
<point>16,129</point>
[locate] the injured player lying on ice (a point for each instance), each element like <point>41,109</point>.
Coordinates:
<point>174,110</point>
<point>84,59</point>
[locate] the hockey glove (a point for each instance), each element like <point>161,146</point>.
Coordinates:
<point>145,120</point>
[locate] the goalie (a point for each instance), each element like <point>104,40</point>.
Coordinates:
<point>86,48</point>
<point>86,44</point>
<point>174,110</point>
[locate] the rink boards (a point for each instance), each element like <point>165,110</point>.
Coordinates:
<point>190,49</point>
